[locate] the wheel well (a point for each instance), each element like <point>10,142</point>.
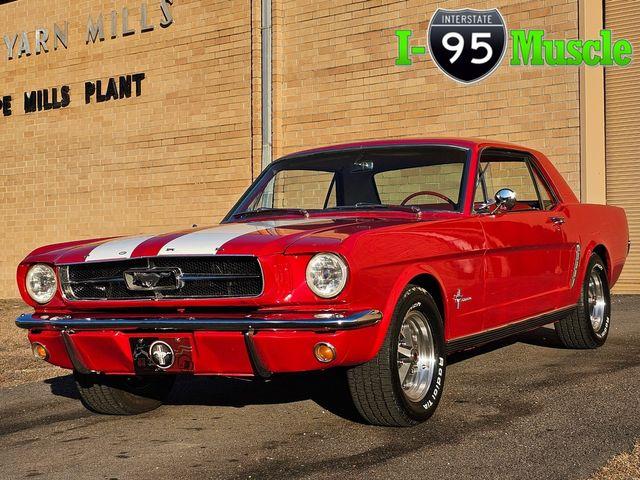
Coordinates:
<point>431,285</point>
<point>601,251</point>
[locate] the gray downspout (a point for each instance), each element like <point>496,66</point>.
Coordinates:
<point>266,83</point>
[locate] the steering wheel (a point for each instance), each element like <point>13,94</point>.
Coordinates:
<point>434,194</point>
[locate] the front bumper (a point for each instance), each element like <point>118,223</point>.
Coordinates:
<point>319,321</point>
<point>235,345</point>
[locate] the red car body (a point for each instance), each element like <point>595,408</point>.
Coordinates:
<point>491,275</point>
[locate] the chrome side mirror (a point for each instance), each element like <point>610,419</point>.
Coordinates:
<point>505,199</point>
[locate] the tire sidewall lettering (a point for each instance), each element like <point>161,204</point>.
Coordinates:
<point>436,388</point>
<point>605,328</point>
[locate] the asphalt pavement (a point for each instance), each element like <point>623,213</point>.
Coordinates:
<point>521,408</point>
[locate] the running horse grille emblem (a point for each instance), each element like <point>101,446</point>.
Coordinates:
<point>153,279</point>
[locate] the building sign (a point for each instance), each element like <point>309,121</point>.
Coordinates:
<point>98,28</point>
<point>114,24</point>
<point>468,45</point>
<point>98,91</point>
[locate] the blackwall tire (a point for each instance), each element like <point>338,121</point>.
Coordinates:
<point>588,326</point>
<point>414,349</point>
<point>121,395</point>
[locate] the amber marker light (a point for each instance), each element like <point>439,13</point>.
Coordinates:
<point>324,352</point>
<point>39,351</point>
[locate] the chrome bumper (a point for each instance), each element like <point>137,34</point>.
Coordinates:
<point>321,321</point>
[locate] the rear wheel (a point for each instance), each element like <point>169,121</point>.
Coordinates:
<point>403,384</point>
<point>588,326</point>
<point>123,395</point>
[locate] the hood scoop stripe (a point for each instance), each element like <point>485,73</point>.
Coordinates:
<point>200,242</point>
<point>210,240</point>
<point>116,249</point>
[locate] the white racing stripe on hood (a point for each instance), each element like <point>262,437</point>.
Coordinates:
<point>116,249</point>
<point>210,240</point>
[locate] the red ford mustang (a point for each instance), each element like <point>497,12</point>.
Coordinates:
<point>380,258</point>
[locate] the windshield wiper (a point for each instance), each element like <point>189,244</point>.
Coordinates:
<point>268,211</point>
<point>368,206</point>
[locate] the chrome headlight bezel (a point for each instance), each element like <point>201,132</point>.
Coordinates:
<point>341,269</point>
<point>47,274</point>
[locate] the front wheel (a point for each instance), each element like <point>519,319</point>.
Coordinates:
<point>588,326</point>
<point>122,395</point>
<point>403,384</point>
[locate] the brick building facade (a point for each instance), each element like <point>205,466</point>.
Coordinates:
<point>182,151</point>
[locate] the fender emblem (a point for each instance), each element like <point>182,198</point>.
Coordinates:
<point>459,299</point>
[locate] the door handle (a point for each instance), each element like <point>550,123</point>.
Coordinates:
<point>557,220</point>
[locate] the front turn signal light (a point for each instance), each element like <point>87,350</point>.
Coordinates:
<point>324,352</point>
<point>39,351</point>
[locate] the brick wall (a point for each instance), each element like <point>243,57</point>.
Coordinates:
<point>183,151</point>
<point>177,155</point>
<point>339,82</point>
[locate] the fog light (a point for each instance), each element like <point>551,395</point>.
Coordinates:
<point>39,351</point>
<point>324,352</point>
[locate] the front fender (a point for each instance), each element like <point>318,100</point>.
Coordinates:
<point>401,282</point>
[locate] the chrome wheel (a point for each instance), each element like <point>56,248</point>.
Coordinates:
<point>416,356</point>
<point>597,300</point>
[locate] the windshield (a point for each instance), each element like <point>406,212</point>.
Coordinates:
<point>425,178</point>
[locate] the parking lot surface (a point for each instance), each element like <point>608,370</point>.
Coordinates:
<point>522,408</point>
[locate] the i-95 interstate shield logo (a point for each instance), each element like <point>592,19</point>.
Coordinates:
<point>467,45</point>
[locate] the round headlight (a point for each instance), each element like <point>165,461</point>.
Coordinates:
<point>41,283</point>
<point>327,274</point>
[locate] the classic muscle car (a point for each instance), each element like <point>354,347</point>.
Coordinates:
<point>380,258</point>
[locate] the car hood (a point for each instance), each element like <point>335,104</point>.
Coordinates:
<point>256,237</point>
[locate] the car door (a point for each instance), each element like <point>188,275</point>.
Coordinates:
<point>526,258</point>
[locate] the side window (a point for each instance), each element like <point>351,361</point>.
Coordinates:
<point>507,173</point>
<point>548,201</point>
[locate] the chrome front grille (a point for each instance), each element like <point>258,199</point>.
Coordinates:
<point>186,277</point>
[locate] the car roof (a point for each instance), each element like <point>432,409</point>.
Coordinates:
<point>409,142</point>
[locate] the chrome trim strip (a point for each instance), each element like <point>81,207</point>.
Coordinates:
<point>200,255</point>
<point>477,339</point>
<point>576,264</point>
<point>329,322</point>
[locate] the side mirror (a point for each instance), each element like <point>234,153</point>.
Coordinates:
<point>505,199</point>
